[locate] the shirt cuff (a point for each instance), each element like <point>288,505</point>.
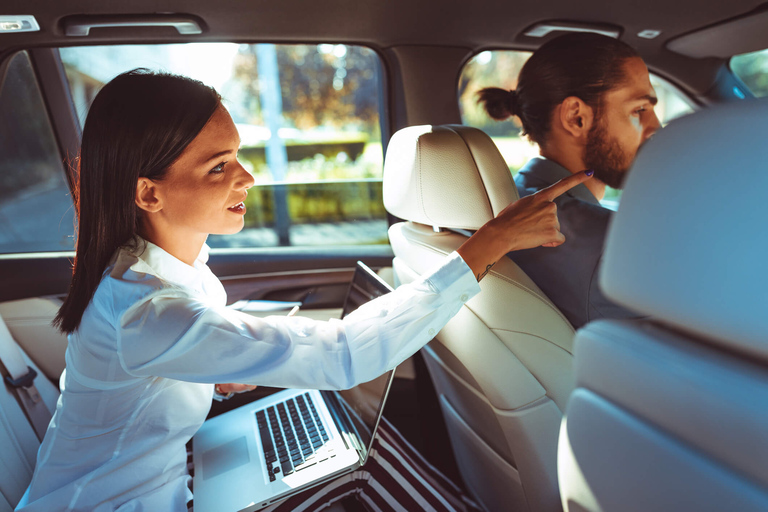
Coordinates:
<point>454,278</point>
<point>220,397</point>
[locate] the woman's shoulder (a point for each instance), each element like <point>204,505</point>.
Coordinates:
<point>128,280</point>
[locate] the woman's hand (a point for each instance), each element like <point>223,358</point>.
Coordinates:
<point>529,222</point>
<point>224,389</point>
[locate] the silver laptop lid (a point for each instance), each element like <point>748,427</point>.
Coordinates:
<point>363,405</point>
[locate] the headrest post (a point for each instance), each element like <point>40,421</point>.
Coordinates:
<point>437,229</point>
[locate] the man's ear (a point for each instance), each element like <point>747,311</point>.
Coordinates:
<point>576,117</point>
<point>147,197</point>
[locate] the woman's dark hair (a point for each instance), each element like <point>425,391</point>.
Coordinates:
<point>584,65</point>
<point>138,125</point>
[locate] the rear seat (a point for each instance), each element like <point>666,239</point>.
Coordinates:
<point>18,441</point>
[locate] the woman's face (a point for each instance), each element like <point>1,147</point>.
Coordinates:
<point>203,191</point>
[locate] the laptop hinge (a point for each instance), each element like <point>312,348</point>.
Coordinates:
<point>344,424</point>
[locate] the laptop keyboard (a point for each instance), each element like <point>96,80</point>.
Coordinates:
<point>292,436</point>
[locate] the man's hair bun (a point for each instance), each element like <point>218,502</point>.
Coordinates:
<point>499,103</point>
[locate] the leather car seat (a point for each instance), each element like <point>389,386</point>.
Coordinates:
<point>18,442</point>
<point>502,367</point>
<point>670,413</point>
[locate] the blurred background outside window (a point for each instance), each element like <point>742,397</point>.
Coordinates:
<point>309,121</point>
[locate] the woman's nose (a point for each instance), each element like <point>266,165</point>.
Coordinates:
<point>245,179</point>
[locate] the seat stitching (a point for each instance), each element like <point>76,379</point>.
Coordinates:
<point>418,175</point>
<point>477,168</point>
<point>532,335</point>
<point>480,394</point>
<point>546,301</point>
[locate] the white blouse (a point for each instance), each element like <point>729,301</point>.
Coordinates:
<point>156,337</point>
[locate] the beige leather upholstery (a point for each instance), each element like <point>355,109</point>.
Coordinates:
<point>445,176</point>
<point>669,413</point>
<point>502,365</point>
<point>29,321</point>
<point>18,442</point>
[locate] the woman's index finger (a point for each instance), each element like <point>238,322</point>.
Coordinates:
<point>552,192</point>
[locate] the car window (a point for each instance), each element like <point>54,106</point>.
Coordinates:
<point>36,213</point>
<point>752,68</point>
<point>500,69</point>
<point>308,117</point>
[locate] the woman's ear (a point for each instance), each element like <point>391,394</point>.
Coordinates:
<point>576,117</point>
<point>147,197</point>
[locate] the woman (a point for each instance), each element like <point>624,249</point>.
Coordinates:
<point>149,335</point>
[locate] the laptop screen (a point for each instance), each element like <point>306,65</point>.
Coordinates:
<point>364,403</point>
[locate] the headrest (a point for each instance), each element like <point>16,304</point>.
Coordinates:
<point>689,244</point>
<point>448,176</point>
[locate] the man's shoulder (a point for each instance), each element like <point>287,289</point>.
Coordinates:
<point>585,220</point>
<point>566,203</point>
<point>536,175</point>
<point>540,173</point>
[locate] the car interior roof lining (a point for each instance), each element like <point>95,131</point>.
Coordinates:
<point>396,22</point>
<point>740,35</point>
<point>399,23</point>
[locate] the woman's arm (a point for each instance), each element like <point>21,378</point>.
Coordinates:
<point>180,337</point>
<point>527,223</point>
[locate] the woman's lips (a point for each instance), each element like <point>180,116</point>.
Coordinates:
<point>238,208</point>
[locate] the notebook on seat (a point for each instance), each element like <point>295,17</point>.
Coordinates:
<point>282,444</point>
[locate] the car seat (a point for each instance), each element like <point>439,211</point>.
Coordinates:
<point>670,413</point>
<point>18,441</point>
<point>502,366</point>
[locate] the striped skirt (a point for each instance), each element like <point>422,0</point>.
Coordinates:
<point>394,478</point>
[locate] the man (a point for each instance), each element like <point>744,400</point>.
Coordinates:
<point>588,102</point>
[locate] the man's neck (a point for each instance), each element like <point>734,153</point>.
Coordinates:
<point>574,164</point>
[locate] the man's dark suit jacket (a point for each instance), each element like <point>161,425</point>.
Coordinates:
<point>568,274</point>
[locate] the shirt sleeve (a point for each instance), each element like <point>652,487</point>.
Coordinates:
<point>171,335</point>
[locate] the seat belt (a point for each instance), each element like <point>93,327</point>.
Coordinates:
<point>20,378</point>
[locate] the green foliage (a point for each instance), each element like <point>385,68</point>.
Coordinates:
<point>323,85</point>
<point>330,201</point>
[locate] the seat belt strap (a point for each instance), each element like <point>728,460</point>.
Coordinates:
<point>20,378</point>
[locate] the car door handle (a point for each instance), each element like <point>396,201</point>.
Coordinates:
<point>81,25</point>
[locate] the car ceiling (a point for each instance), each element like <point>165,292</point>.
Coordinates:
<point>475,25</point>
<point>380,23</point>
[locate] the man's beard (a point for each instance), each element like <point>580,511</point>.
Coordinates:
<point>605,156</point>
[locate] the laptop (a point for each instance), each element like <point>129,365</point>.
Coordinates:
<point>285,443</point>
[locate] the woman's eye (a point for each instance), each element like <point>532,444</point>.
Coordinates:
<point>218,169</point>
<point>639,110</point>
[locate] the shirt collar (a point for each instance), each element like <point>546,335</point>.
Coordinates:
<point>547,172</point>
<point>152,259</point>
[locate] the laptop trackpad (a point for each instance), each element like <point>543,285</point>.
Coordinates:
<point>225,457</point>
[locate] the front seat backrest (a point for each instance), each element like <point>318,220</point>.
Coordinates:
<point>502,365</point>
<point>671,413</point>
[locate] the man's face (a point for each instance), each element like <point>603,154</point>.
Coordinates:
<point>625,120</point>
